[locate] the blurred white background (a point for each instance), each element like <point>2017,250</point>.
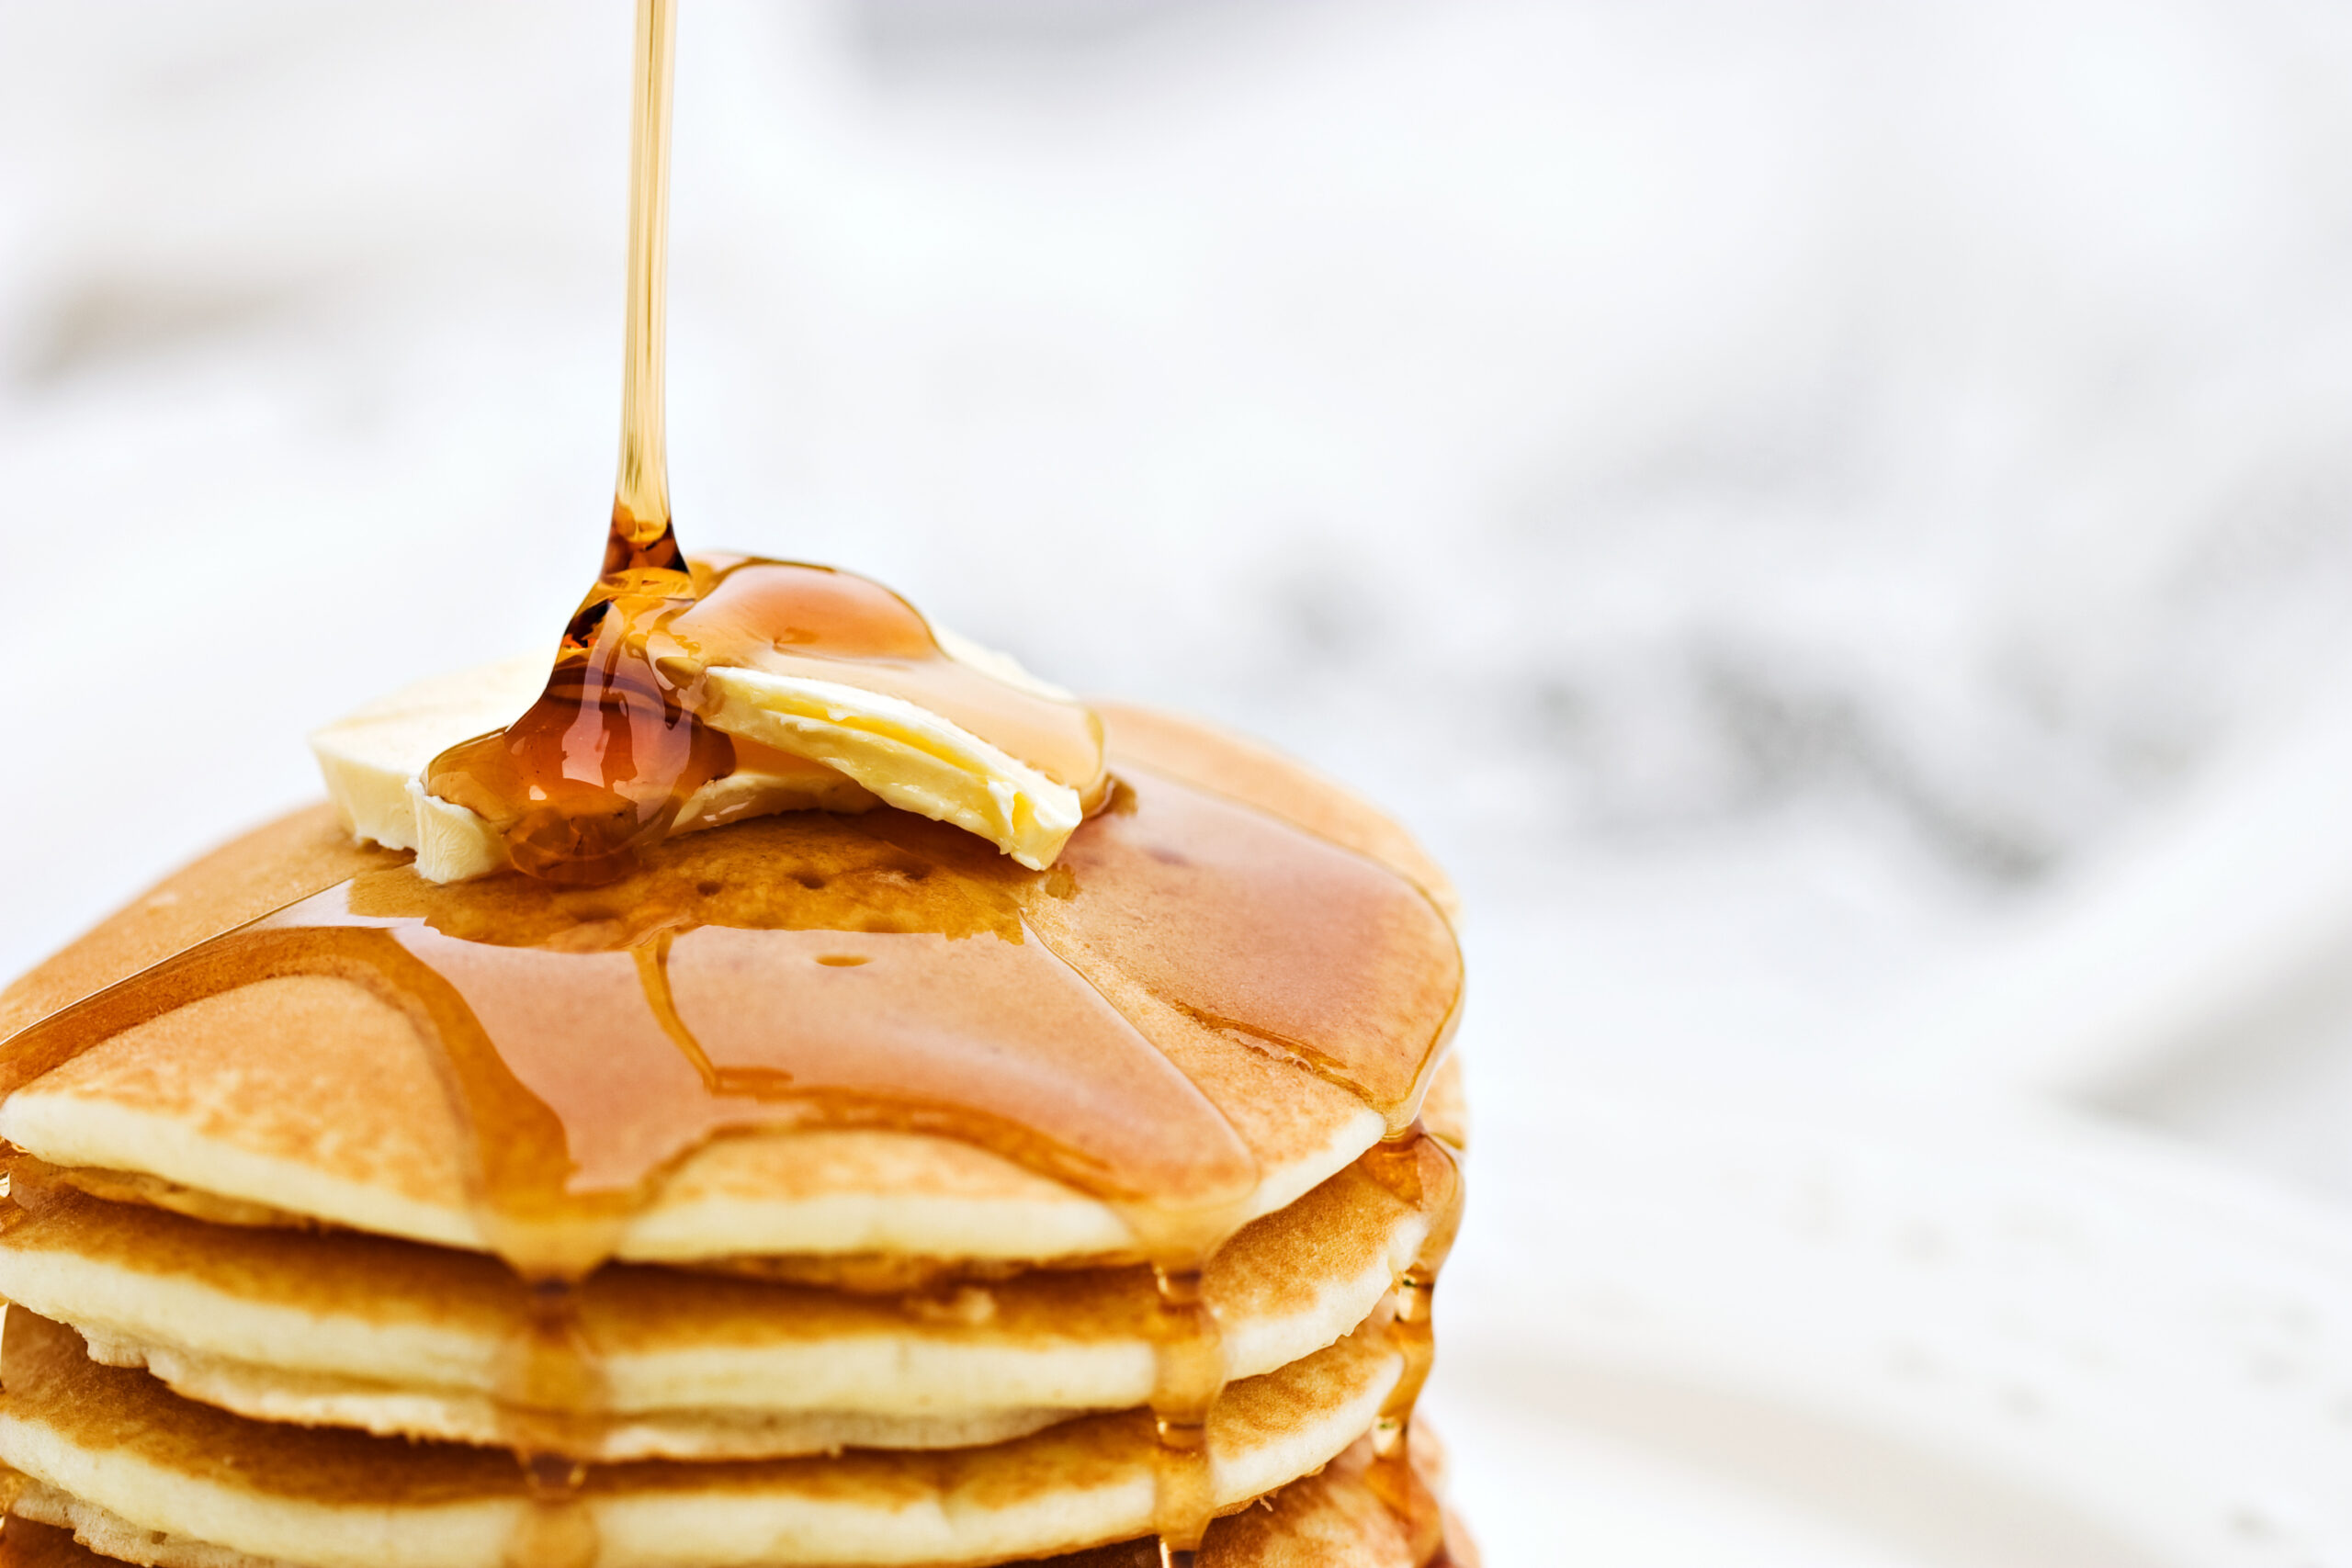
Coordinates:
<point>1835,520</point>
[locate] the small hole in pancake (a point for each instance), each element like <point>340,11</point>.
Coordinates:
<point>708,889</point>
<point>810,880</point>
<point>841,960</point>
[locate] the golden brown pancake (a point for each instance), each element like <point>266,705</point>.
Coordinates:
<point>342,1328</point>
<point>313,1093</point>
<point>1331,1519</point>
<point>881,1129</point>
<point>119,1441</point>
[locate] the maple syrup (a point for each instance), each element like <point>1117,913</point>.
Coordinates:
<point>597,768</point>
<point>601,765</point>
<point>1421,1169</point>
<point>1189,1377</point>
<point>592,1037</point>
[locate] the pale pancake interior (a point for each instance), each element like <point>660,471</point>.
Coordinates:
<point>121,1441</point>
<point>395,1337</point>
<point>1331,1519</point>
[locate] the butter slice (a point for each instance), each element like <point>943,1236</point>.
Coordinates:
<point>905,754</point>
<point>800,744</point>
<point>370,759</point>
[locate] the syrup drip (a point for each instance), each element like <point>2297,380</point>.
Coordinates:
<point>1190,1377</point>
<point>554,1389</point>
<point>557,1530</point>
<point>1417,1167</point>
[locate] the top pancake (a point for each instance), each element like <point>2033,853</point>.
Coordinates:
<point>310,1095</point>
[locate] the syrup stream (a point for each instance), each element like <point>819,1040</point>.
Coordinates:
<point>602,670</point>
<point>641,491</point>
<point>598,767</point>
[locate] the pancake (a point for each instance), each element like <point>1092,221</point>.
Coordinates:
<point>118,1441</point>
<point>1330,1519</point>
<point>827,1190</point>
<point>347,1329</point>
<point>313,1094</point>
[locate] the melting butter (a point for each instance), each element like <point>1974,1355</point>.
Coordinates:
<point>821,712</point>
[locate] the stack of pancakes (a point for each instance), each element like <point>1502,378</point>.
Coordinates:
<point>260,1314</point>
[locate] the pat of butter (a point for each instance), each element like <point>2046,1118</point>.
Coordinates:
<point>370,759</point>
<point>800,745</point>
<point>905,754</point>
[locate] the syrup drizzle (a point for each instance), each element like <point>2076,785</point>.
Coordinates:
<point>554,1386</point>
<point>791,619</point>
<point>1188,1380</point>
<point>600,767</point>
<point>597,768</point>
<point>1418,1168</point>
<point>590,1038</point>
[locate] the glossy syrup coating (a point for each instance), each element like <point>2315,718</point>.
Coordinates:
<point>792,618</point>
<point>813,971</point>
<point>597,770</point>
<point>882,971</point>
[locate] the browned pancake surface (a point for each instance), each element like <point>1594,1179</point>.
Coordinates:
<point>1286,1035</point>
<point>47,1383</point>
<point>1277,1264</point>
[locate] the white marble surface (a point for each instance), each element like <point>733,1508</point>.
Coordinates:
<point>1833,519</point>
